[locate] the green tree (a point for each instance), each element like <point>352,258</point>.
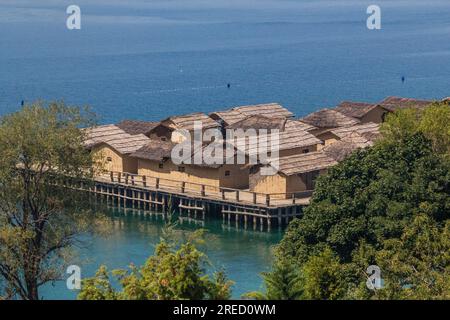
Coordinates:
<point>323,277</point>
<point>365,211</point>
<point>432,122</point>
<point>284,282</point>
<point>172,273</point>
<point>39,222</point>
<point>417,265</point>
<point>370,196</point>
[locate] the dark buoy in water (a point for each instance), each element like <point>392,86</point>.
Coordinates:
<point>229,85</point>
<point>22,103</point>
<point>403,79</point>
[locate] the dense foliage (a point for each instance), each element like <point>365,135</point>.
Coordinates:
<point>388,205</point>
<point>283,283</point>
<point>371,196</point>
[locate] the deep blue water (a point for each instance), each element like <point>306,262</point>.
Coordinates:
<point>150,59</point>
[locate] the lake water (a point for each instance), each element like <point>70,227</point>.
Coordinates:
<point>150,59</point>
<point>241,253</point>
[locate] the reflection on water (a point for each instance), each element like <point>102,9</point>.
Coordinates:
<point>242,253</point>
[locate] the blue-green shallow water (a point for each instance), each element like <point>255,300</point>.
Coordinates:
<point>243,254</point>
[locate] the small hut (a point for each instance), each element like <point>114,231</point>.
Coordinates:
<point>324,121</point>
<point>169,129</point>
<point>292,139</point>
<point>349,143</point>
<point>364,112</point>
<point>296,174</point>
<point>112,146</point>
<point>369,130</point>
<point>396,103</point>
<point>154,160</point>
<point>134,127</point>
<point>233,115</point>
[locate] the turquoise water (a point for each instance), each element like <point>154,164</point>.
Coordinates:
<point>243,254</point>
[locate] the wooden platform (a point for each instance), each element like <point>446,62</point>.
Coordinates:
<point>240,207</point>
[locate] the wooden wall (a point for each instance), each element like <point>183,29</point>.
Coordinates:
<point>267,184</point>
<point>375,115</point>
<point>328,138</point>
<point>279,183</point>
<point>119,163</point>
<point>237,178</point>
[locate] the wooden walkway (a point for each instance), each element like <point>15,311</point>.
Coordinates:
<point>196,201</point>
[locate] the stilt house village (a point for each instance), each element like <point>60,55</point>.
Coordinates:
<point>300,151</point>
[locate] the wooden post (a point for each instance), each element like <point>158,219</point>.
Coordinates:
<point>267,199</point>
<point>157,183</point>
<point>111,174</point>
<point>254,197</point>
<point>204,210</point>
<point>163,205</point>
<point>183,187</point>
<point>203,190</point>
<point>144,181</point>
<point>237,195</point>
<point>223,194</point>
<point>132,180</point>
<point>126,178</point>
<point>119,177</point>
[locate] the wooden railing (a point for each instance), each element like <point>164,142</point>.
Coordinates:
<point>204,190</point>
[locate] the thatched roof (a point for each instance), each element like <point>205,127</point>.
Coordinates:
<point>269,110</point>
<point>186,121</point>
<point>343,148</point>
<point>368,130</point>
<point>155,150</point>
<point>328,118</point>
<point>233,115</point>
<point>396,103</point>
<point>259,122</point>
<point>305,162</point>
<point>356,109</point>
<point>292,124</point>
<point>294,135</point>
<point>136,126</point>
<point>209,150</point>
<point>291,135</point>
<point>115,137</point>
